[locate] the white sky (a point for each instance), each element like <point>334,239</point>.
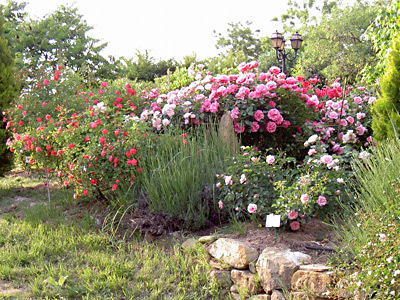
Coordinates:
<point>167,28</point>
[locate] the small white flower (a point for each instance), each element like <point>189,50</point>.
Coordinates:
<point>389,259</point>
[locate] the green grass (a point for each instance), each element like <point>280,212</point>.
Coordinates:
<point>55,251</point>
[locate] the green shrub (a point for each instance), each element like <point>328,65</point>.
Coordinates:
<point>386,111</point>
<point>8,90</point>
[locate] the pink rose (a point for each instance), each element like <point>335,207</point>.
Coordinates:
<point>220,204</point>
<point>258,115</point>
<point>228,180</point>
<point>238,128</point>
<point>243,178</point>
<point>304,198</point>
<point>321,201</point>
<point>292,215</point>
<point>326,159</point>
<point>274,115</point>
<point>295,225</point>
<point>271,127</point>
<point>235,113</point>
<point>254,127</point>
<point>252,208</point>
<point>270,159</point>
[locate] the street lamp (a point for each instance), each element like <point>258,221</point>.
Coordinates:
<point>278,43</point>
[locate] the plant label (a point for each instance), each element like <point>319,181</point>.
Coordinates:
<point>273,221</point>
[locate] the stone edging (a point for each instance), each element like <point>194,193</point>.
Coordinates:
<point>275,274</point>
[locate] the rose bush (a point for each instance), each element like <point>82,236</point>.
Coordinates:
<point>87,139</point>
<point>315,184</point>
<point>268,109</point>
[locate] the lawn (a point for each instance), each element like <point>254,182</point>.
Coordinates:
<point>57,250</point>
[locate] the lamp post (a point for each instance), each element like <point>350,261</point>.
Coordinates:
<point>278,43</point>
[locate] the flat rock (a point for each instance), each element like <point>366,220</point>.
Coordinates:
<point>315,268</point>
<point>235,253</point>
<point>275,267</point>
<point>316,283</point>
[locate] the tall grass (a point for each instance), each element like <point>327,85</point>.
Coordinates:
<point>369,231</point>
<point>179,173</point>
<point>377,179</point>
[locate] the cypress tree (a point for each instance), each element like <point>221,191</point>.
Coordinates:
<point>8,90</point>
<point>386,110</point>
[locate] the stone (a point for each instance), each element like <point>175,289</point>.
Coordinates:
<point>245,282</point>
<point>226,132</point>
<point>261,297</point>
<point>219,265</point>
<point>315,283</point>
<point>208,239</point>
<point>235,253</point>
<point>275,267</point>
<point>303,296</point>
<point>223,278</point>
<point>252,267</point>
<point>315,268</point>
<point>277,295</point>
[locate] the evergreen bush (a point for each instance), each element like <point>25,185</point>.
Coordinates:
<point>8,89</point>
<point>386,111</point>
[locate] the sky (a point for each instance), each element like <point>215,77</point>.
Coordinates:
<point>166,28</point>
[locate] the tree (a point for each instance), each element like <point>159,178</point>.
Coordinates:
<point>382,32</point>
<point>242,39</point>
<point>60,37</point>
<point>8,90</point>
<point>335,41</point>
<point>386,110</point>
<point>145,67</point>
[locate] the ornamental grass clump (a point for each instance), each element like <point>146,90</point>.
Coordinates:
<point>370,227</point>
<point>179,170</point>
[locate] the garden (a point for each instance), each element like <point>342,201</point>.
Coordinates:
<point>110,174</point>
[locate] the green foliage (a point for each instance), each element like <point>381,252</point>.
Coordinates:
<point>335,41</point>
<point>8,90</point>
<point>179,173</point>
<point>58,38</point>
<point>369,230</point>
<point>386,110</point>
<point>145,68</point>
<point>382,32</point>
<point>337,46</point>
<point>240,38</point>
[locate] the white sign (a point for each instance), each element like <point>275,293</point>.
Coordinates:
<point>273,221</point>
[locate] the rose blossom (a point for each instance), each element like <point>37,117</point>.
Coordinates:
<point>292,215</point>
<point>258,115</point>
<point>228,180</point>
<point>326,159</point>
<point>321,201</point>
<point>271,127</point>
<point>270,159</point>
<point>218,185</point>
<point>243,178</point>
<point>295,225</point>
<point>252,208</point>
<point>220,204</point>
<point>254,127</point>
<point>304,198</point>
